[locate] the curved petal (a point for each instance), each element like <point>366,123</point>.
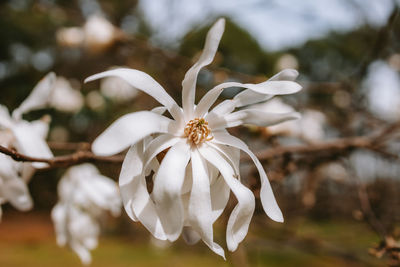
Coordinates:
<point>200,210</point>
<point>220,192</point>
<point>30,143</point>
<point>157,145</point>
<point>251,116</point>
<point>189,82</point>
<point>145,83</point>
<point>17,193</point>
<point>268,200</point>
<point>128,130</point>
<point>38,98</point>
<point>135,197</point>
<point>190,236</point>
<point>285,75</point>
<point>168,183</point>
<point>248,97</point>
<point>5,119</point>
<point>265,89</point>
<point>238,223</point>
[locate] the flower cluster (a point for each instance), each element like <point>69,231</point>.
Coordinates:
<point>192,182</point>
<point>27,138</point>
<point>84,196</point>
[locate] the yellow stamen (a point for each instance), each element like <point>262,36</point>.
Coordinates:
<point>197,131</point>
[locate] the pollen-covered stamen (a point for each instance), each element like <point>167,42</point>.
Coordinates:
<point>197,131</point>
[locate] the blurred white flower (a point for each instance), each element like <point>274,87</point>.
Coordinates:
<point>193,181</point>
<point>117,89</point>
<point>70,37</point>
<point>96,35</point>
<point>383,91</point>
<point>27,138</point>
<point>13,187</point>
<point>310,127</point>
<point>95,101</point>
<point>84,196</point>
<point>64,97</point>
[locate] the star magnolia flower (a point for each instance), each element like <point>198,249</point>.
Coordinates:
<point>84,196</point>
<point>28,138</point>
<point>192,182</point>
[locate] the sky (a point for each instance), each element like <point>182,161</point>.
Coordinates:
<point>275,24</point>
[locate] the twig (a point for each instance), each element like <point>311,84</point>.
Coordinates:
<point>63,161</point>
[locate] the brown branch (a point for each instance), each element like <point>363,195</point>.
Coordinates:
<point>338,146</point>
<point>63,161</point>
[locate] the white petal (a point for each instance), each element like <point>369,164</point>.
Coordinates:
<point>238,223</point>
<point>17,193</point>
<point>190,236</point>
<point>103,192</point>
<point>230,153</point>
<point>220,192</point>
<point>157,145</point>
<point>167,189</point>
<point>200,211</point>
<point>128,130</point>
<point>266,89</point>
<point>268,200</point>
<point>5,119</point>
<point>248,97</point>
<point>82,252</point>
<point>135,197</point>
<point>27,171</point>
<point>285,75</point>
<point>30,143</point>
<point>145,83</point>
<point>251,116</point>
<point>59,217</point>
<point>189,82</point>
<point>39,96</point>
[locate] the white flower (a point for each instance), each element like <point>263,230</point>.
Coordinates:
<point>84,196</point>
<point>310,127</point>
<point>96,35</point>
<point>193,181</point>
<point>28,138</point>
<point>64,97</point>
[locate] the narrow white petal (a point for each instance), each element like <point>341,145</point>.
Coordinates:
<point>268,200</point>
<point>230,153</point>
<point>189,82</point>
<point>145,83</point>
<point>220,192</point>
<point>167,189</point>
<point>39,96</point>
<point>262,90</point>
<point>251,116</point>
<point>285,75</point>
<point>157,145</point>
<point>200,210</point>
<point>128,130</point>
<point>135,197</point>
<point>5,119</point>
<point>248,97</point>
<point>238,223</point>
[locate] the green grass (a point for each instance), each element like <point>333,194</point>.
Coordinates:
<point>295,243</point>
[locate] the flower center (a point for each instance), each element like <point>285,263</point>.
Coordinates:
<point>197,131</point>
